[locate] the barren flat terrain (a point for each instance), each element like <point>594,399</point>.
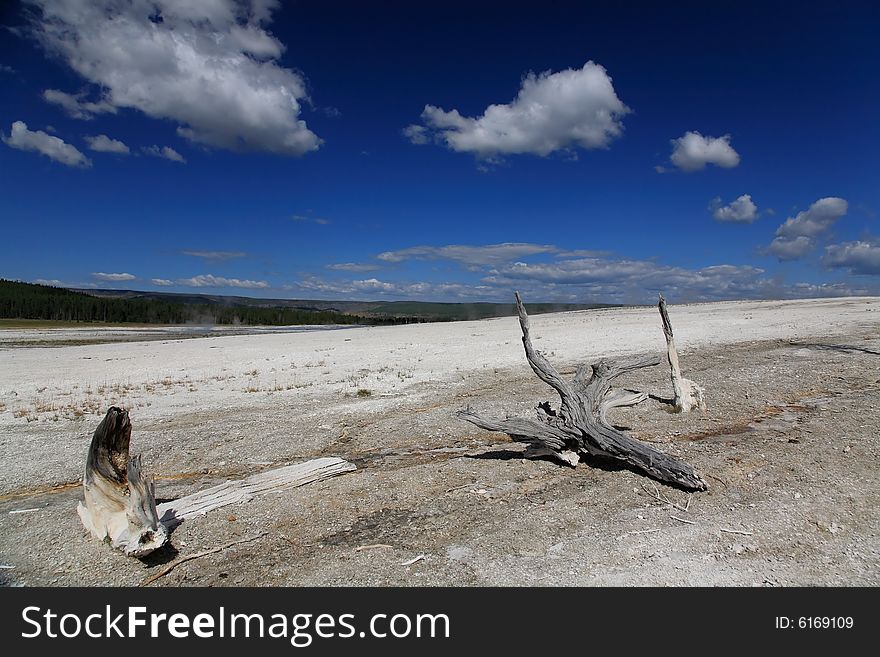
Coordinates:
<point>788,445</point>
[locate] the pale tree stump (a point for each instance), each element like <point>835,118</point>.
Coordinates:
<point>120,503</point>
<point>580,427</point>
<point>687,394</point>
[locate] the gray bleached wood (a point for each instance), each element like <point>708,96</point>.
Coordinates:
<point>176,511</point>
<point>120,503</point>
<point>580,425</point>
<point>688,395</point>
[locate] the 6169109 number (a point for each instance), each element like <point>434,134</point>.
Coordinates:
<point>815,622</point>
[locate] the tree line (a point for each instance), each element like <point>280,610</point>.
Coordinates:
<point>32,301</point>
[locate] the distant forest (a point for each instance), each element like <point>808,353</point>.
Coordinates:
<point>43,302</point>
<point>30,301</point>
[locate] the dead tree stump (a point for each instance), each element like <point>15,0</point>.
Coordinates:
<point>580,427</point>
<point>120,503</point>
<point>688,395</point>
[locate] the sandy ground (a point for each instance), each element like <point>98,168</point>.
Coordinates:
<point>789,446</point>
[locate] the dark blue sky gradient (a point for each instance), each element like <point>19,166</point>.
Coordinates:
<point>794,84</point>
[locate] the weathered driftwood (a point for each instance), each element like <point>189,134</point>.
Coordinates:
<point>688,395</point>
<point>580,427</point>
<point>120,504</point>
<point>176,511</point>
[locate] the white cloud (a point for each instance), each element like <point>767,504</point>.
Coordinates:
<point>693,151</point>
<point>791,248</point>
<point>40,142</point>
<point>417,134</point>
<point>372,288</point>
<point>807,290</point>
<point>162,282</point>
<point>165,151</point>
<point>101,276</point>
<point>70,285</point>
<point>741,211</point>
<point>104,144</point>
<point>310,220</point>
<point>354,266</point>
<point>212,67</point>
<point>591,278</point>
<point>468,255</point>
<point>552,112</point>
<point>860,257</point>
<point>216,255</point>
<point>816,219</point>
<point>209,280</point>
<point>799,234</point>
<point>75,106</point>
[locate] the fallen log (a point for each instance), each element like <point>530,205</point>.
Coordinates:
<point>688,395</point>
<point>579,428</point>
<point>176,511</point>
<point>120,503</point>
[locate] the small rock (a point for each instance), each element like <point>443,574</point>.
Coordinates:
<point>797,496</point>
<point>846,449</point>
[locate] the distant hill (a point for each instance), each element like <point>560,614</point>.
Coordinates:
<point>30,301</point>
<point>222,300</point>
<point>418,310</point>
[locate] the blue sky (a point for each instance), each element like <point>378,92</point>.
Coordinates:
<point>575,151</point>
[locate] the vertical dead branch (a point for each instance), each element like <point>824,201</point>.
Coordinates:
<point>688,395</point>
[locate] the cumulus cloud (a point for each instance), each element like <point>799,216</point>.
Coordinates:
<point>40,142</point>
<point>211,67</point>
<point>209,280</point>
<point>217,256</point>
<point>577,276</point>
<point>104,144</point>
<point>162,282</point>
<point>469,255</point>
<point>76,106</point>
<point>166,152</point>
<point>741,211</point>
<point>790,248</point>
<point>552,112</point>
<point>568,275</point>
<point>799,234</point>
<point>102,276</point>
<point>816,219</point>
<point>860,257</point>
<point>693,151</point>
